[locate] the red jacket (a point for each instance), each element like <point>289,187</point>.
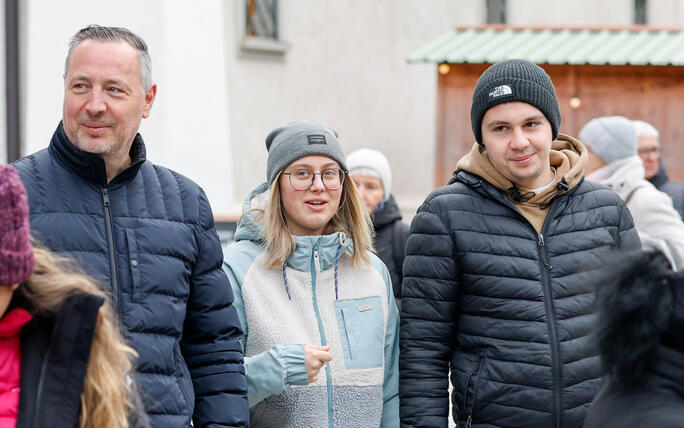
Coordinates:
<point>10,364</point>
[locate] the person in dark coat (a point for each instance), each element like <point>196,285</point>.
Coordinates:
<point>650,152</point>
<point>144,231</point>
<point>372,175</point>
<point>64,363</point>
<point>498,286</point>
<point>639,332</point>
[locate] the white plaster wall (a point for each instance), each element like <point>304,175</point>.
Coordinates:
<point>666,13</point>
<point>187,130</point>
<point>347,65</point>
<point>575,12</point>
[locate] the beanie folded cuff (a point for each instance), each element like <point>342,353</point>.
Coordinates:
<point>16,268</point>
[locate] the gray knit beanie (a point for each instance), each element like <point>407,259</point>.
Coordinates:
<point>514,80</point>
<point>610,137</point>
<point>299,138</point>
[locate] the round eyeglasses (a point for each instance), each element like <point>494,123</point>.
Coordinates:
<point>303,179</point>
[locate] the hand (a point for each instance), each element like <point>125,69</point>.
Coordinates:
<point>316,357</point>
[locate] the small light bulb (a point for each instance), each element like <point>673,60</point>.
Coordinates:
<point>443,68</point>
<point>575,102</point>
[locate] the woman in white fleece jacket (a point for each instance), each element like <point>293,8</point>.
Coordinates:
<point>317,308</point>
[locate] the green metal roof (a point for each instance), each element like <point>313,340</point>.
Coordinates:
<point>576,46</point>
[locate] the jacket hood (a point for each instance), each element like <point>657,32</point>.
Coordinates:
<point>387,214</point>
<point>250,227</point>
<point>568,156</point>
<point>623,175</point>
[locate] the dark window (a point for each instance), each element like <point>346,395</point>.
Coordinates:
<point>261,18</point>
<point>496,11</point>
<point>641,12</point>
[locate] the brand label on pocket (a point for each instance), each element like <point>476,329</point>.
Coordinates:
<point>365,308</point>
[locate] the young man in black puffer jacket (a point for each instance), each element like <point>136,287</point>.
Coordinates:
<point>498,284</point>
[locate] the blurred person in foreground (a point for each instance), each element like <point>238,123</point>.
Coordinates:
<point>371,172</point>
<point>613,161</point>
<point>650,153</point>
<point>144,231</point>
<point>639,332</point>
<point>498,279</point>
<point>321,329</point>
<point>63,362</point>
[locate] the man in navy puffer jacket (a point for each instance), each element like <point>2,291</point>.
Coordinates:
<point>498,285</point>
<point>144,231</point>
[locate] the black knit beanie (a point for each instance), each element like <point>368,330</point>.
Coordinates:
<point>514,80</point>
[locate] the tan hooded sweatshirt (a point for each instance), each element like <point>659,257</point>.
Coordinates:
<point>568,156</point>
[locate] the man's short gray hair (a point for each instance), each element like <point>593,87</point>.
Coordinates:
<point>116,34</point>
<point>645,129</point>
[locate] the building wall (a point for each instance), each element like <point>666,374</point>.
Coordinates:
<point>346,64</point>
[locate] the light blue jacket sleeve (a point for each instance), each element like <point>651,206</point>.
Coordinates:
<point>272,371</point>
<point>390,389</point>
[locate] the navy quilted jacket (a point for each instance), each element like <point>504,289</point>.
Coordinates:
<point>507,309</point>
<point>149,236</point>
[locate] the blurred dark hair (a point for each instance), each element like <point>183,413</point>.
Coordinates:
<point>636,303</point>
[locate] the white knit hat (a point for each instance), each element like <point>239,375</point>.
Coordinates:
<point>373,160</point>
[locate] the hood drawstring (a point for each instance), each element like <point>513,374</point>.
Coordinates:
<point>561,187</point>
<point>338,254</point>
<point>287,287</point>
<point>343,242</point>
<point>518,196</point>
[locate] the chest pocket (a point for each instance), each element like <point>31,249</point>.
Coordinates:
<point>361,327</point>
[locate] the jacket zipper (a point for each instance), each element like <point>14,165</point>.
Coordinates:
<point>548,301</point>
<point>476,386</point>
<point>41,381</point>
<point>328,373</point>
<point>112,256</point>
<point>553,334</point>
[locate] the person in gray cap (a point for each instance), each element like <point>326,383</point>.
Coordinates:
<point>497,290</point>
<point>321,325</point>
<point>613,161</point>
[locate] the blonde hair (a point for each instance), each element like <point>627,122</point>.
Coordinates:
<point>109,394</point>
<point>351,218</point>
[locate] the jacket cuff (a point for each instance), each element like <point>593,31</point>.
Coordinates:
<point>294,364</point>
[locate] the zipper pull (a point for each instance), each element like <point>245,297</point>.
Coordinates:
<point>105,197</point>
<point>469,422</point>
<point>541,240</point>
<point>317,262</point>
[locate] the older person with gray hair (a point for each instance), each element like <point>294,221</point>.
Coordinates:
<point>614,161</point>
<point>372,175</point>
<point>650,152</point>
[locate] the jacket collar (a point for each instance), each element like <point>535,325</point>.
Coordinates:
<point>326,245</point>
<point>661,176</point>
<point>89,166</point>
<point>388,213</point>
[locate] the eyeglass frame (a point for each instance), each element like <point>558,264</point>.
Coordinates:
<point>342,172</point>
<point>648,150</point>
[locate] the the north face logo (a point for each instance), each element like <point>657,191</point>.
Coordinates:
<point>500,91</point>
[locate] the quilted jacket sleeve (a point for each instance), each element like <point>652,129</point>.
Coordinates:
<point>628,235</point>
<point>428,321</point>
<point>212,333</point>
